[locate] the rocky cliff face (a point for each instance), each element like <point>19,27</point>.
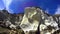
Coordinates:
<point>33,21</point>
<point>9,20</point>
<point>30,19</point>
<point>36,20</point>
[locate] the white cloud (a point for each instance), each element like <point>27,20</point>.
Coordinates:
<point>58,10</point>
<point>47,10</point>
<point>7,2</point>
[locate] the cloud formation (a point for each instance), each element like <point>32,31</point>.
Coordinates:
<point>7,2</point>
<point>58,10</point>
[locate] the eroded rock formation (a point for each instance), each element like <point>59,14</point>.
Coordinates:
<point>33,21</point>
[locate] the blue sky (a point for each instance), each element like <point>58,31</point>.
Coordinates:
<point>1,5</point>
<point>50,5</point>
<point>17,6</point>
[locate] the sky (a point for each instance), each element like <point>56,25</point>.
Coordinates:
<point>57,10</point>
<point>1,5</point>
<point>17,6</point>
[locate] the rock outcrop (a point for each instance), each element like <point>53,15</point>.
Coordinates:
<point>36,19</point>
<point>33,21</point>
